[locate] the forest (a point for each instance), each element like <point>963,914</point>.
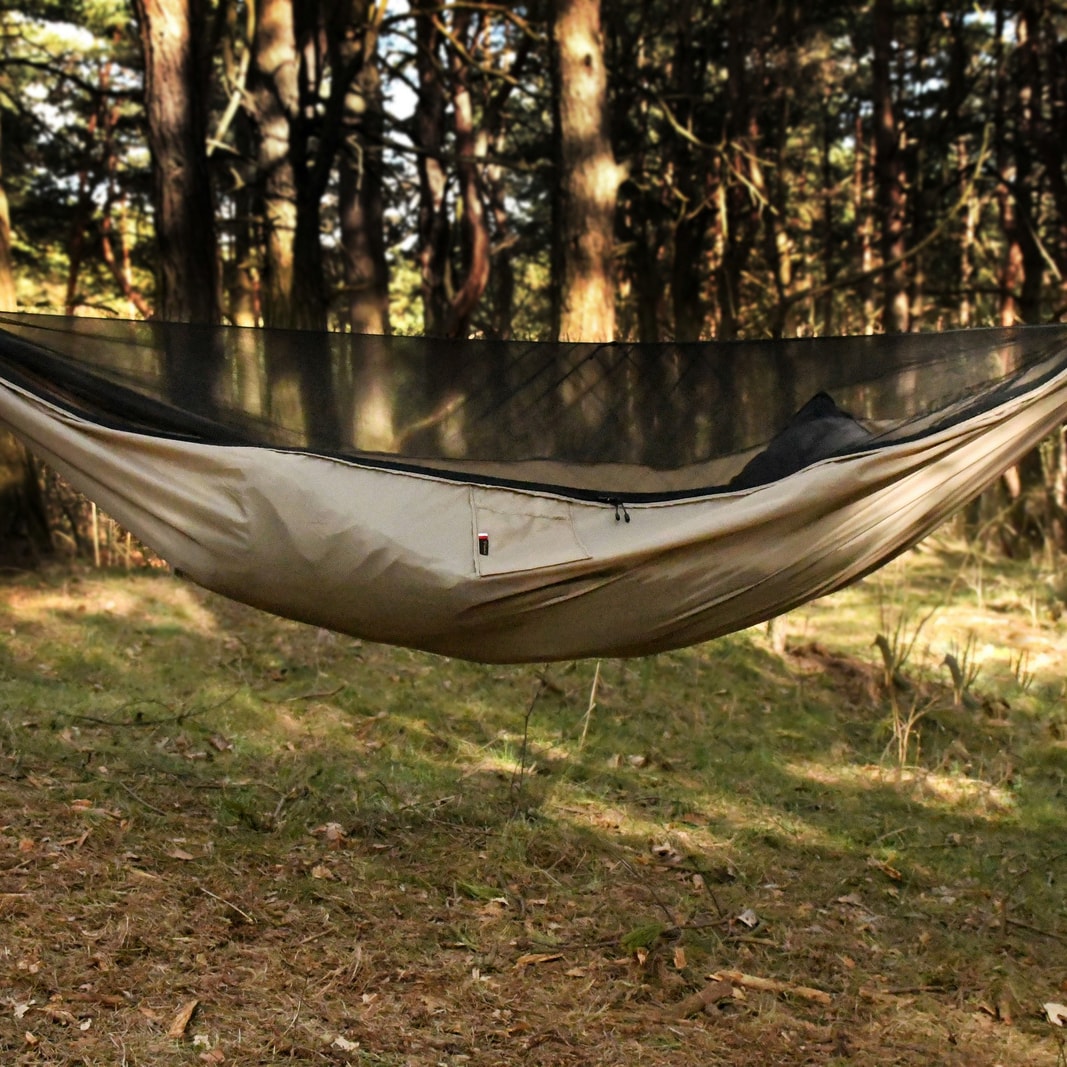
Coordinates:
<point>228,838</point>
<point>631,170</point>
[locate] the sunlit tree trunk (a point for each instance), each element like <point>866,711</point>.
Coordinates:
<point>735,207</point>
<point>366,274</point>
<point>587,177</point>
<point>275,98</point>
<point>7,266</point>
<point>173,34</point>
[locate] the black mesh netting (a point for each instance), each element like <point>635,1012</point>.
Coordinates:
<point>630,419</point>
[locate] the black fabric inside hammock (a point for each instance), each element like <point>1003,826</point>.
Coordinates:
<point>637,421</point>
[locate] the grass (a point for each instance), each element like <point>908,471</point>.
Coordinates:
<point>229,839</point>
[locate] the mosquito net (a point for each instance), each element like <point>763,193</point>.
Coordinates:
<point>637,421</point>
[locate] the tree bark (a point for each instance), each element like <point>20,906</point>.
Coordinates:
<point>366,273</point>
<point>7,266</point>
<point>434,232</point>
<point>888,174</point>
<point>274,99</point>
<point>470,152</point>
<point>172,36</point>
<point>1028,105</point>
<point>587,177</point>
<point>691,229</point>
<point>24,532</point>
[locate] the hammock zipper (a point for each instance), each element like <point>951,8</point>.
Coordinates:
<point>620,510</point>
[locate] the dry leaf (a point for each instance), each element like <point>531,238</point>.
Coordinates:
<point>333,832</point>
<point>666,853</point>
<point>59,1015</point>
<point>533,958</point>
<point>320,870</point>
<point>180,854</point>
<point>148,876</point>
<point>344,1044</point>
<point>885,868</point>
<point>1056,1013</point>
<point>181,1020</point>
<point>680,962</point>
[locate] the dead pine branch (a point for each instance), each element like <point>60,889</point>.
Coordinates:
<point>592,704</point>
<point>772,985</point>
<point>518,778</point>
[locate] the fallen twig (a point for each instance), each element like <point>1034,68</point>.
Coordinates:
<point>712,993</point>
<point>772,985</point>
<point>314,694</point>
<point>1035,929</point>
<point>140,799</point>
<point>230,904</point>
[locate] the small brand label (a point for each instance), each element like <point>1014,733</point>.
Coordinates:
<point>483,544</point>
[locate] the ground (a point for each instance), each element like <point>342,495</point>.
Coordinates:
<point>229,839</point>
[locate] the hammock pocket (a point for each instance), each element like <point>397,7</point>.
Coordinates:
<point>510,502</point>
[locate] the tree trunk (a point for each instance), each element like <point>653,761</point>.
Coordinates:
<point>738,214</point>
<point>429,124</point>
<point>24,532</point>
<point>1027,106</point>
<point>366,273</point>
<point>470,152</point>
<point>862,207</point>
<point>587,177</point>
<point>173,33</point>
<point>23,524</point>
<point>888,174</point>
<point>7,266</point>
<point>502,270</point>
<point>967,239</point>
<point>693,166</point>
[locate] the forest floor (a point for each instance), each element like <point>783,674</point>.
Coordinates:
<point>229,839</point>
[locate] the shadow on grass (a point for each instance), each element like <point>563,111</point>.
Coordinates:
<point>260,800</point>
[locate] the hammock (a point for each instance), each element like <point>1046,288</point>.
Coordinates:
<point>516,502</point>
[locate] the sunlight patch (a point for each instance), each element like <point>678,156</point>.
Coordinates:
<point>951,789</point>
<point>161,602</point>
